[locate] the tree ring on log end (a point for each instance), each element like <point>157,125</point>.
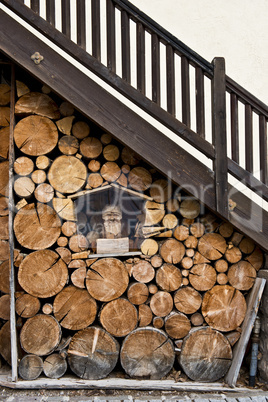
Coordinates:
<point>30,367</point>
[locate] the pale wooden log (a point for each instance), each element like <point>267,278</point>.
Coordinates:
<point>152,288</point>
<point>64,208</point>
<point>122,180</point>
<point>64,253</point>
<point>222,278</point>
<point>78,243</point>
<point>161,303</point>
<point>212,246</point>
<point>66,109</point>
<point>149,247</point>
<point>224,308</point>
<point>42,162</point>
<point>39,176</point>
<point>93,353</point>
<point>143,271</point>
<point>158,322</point>
<point>139,179</point>
<point>168,277</point>
<point>233,337</point>
<point>94,180</point>
<point>5,307</point>
<point>177,325</point>
<point>172,205</point>
<point>236,238</point>
<point>47,309</point>
<point>74,308</point>
<point>185,281</point>
<point>119,317</point>
<point>129,157</point>
<point>110,171</point>
<point>200,259</point>
<point>4,94</point>
<point>246,245</point>
<point>5,342</point>
<point>4,142</point>
<point>106,138</point>
<point>187,300</point>
<point>94,165</point>
<point>170,221</point>
<point>40,335</point>
<point>30,367</point>
<point>206,355</point>
<point>77,263</point>
<point>137,293</point>
<point>21,204</point>
<point>62,241</point>
<point>226,229</point>
<point>202,277</point>
<point>69,228</point>
<point>190,208</point>
<point>3,206</point>
<point>91,147</point>
<point>107,279</point>
<point>27,305</point>
<point>160,190</point>
<point>4,234</point>
<point>154,213</point>
<point>81,130</point>
<point>68,145</point>
<point>24,187</point>
<point>37,103</point>
<point>4,276</point>
<point>22,88</point>
<point>147,352</point>
<point>256,258</point>
<point>185,272</point>
<point>181,232</point>
<point>111,153</point>
<point>78,277</point>
<point>189,252</point>
<point>156,261</point>
<point>242,275</point>
<point>197,319</point>
<point>4,116</point>
<point>44,193</point>
<point>187,262</point>
<point>191,242</point>
<point>36,135</point>
<point>145,315</point>
<point>67,174</point>
<point>55,366</point>
<point>65,125</point>
<point>233,255</point>
<point>221,266</point>
<point>23,166</point>
<point>37,228</point>
<point>126,169</point>
<point>172,251</point>
<point>43,273</point>
<point>197,229</point>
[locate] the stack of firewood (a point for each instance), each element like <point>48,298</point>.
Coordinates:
<point>89,311</point>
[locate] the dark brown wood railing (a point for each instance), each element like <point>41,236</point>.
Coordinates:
<point>181,103</point>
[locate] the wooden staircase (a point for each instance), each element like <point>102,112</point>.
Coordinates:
<point>181,113</point>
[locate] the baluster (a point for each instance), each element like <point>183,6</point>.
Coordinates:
<point>66,18</point>
<point>125,36</point>
<point>50,11</point>
<point>155,69</point>
<point>200,104</point>
<point>263,149</point>
<point>140,58</point>
<point>234,128</point>
<point>35,6</point>
<point>95,15</point>
<point>110,35</point>
<point>170,80</point>
<point>81,23</point>
<point>185,89</point>
<point>248,138</point>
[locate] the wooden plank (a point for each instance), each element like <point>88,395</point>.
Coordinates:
<point>81,23</point>
<point>234,128</point>
<point>155,69</point>
<point>50,12</point>
<point>132,192</point>
<point>125,38</point>
<point>200,102</point>
<point>185,91</point>
<point>94,190</point>
<point>110,17</point>
<point>219,135</point>
<point>248,323</point>
<point>263,149</point>
<point>140,58</point>
<point>248,138</point>
<point>170,80</point>
<point>102,255</point>
<point>95,23</point>
<point>66,18</point>
<point>35,6</point>
<point>113,246</point>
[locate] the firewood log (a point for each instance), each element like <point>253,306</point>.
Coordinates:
<point>187,300</point>
<point>139,179</point>
<point>196,348</point>
<point>93,353</point>
<point>4,116</point>
<point>212,246</point>
<point>37,103</point>
<point>197,319</point>
<point>158,322</point>
<point>233,255</point>
<point>111,153</point>
<point>5,342</point>
<point>4,276</point>
<point>38,176</point>
<point>91,147</point>
<point>185,272</point>
<point>55,366</point>
<point>68,145</point>
<point>107,279</point>
<point>148,353</point>
<point>172,205</point>
<point>222,278</point>
<point>94,180</point>
<point>4,94</point>
<point>191,242</point>
<point>106,138</point>
<point>177,325</point>
<point>172,251</point>
<point>187,262</point>
<point>256,258</point>
<point>152,288</point>
<point>4,235</point>
<point>21,88</point>
<point>189,252</point>
<point>69,228</point>
<point>202,277</point>
<point>119,317</point>
<point>65,125</point>
<point>44,192</point>
<point>154,213</point>
<point>4,179</point>
<point>40,335</point>
<point>65,254</point>
<point>30,367</point>
<point>197,229</point>
<point>181,232</point>
<point>226,229</point>
<point>3,206</point>
<point>122,180</point>
<point>110,171</point>
<point>242,275</point>
<point>78,243</point>
<point>145,315</point>
<point>42,162</point>
<point>224,308</point>
<point>160,191</point>
<point>74,308</point>
<point>168,277</point>
<point>161,303</point>
<point>126,169</point>
<point>47,309</point>
<point>246,245</point>
<point>94,165</point>
<point>233,337</point>
<point>156,261</point>
<point>36,135</point>
<point>149,247</point>
<point>236,238</point>
<point>64,208</point>
<point>4,142</point>
<point>143,271</point>
<point>129,157</point>
<point>67,174</point>
<point>190,208</point>
<point>78,277</point>
<point>137,293</point>
<point>77,263</point>
<point>66,109</point>
<point>62,241</point>
<point>23,166</point>
<point>42,273</point>
<point>81,130</point>
<point>221,265</point>
<point>4,250</point>
<point>37,227</point>
<point>5,307</point>
<point>170,221</point>
<point>27,305</point>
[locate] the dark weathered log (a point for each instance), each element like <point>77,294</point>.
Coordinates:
<point>172,251</point>
<point>68,145</point>
<point>93,353</point>
<point>106,138</point>
<point>168,277</point>
<point>37,103</point>
<point>161,303</point>
<point>55,366</point>
<point>177,325</point>
<point>145,315</point>
<point>242,275</point>
<point>27,305</point>
<point>206,355</point>
<point>66,109</point>
<point>30,367</point>
<point>5,342</point>
<point>130,157</point>
<point>187,300</point>
<point>247,245</point>
<point>4,94</point>
<point>143,271</point>
<point>137,293</point>
<point>4,116</point>
<point>22,88</point>
<point>256,258</point>
<point>81,130</point>
<point>226,229</point>
<point>147,353</point>
<point>4,179</point>
<point>202,277</point>
<point>160,190</point>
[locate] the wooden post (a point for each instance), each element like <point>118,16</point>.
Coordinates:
<point>219,135</point>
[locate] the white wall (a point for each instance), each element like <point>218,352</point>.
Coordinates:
<point>234,29</point>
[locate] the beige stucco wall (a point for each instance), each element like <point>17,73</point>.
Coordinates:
<point>234,29</point>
